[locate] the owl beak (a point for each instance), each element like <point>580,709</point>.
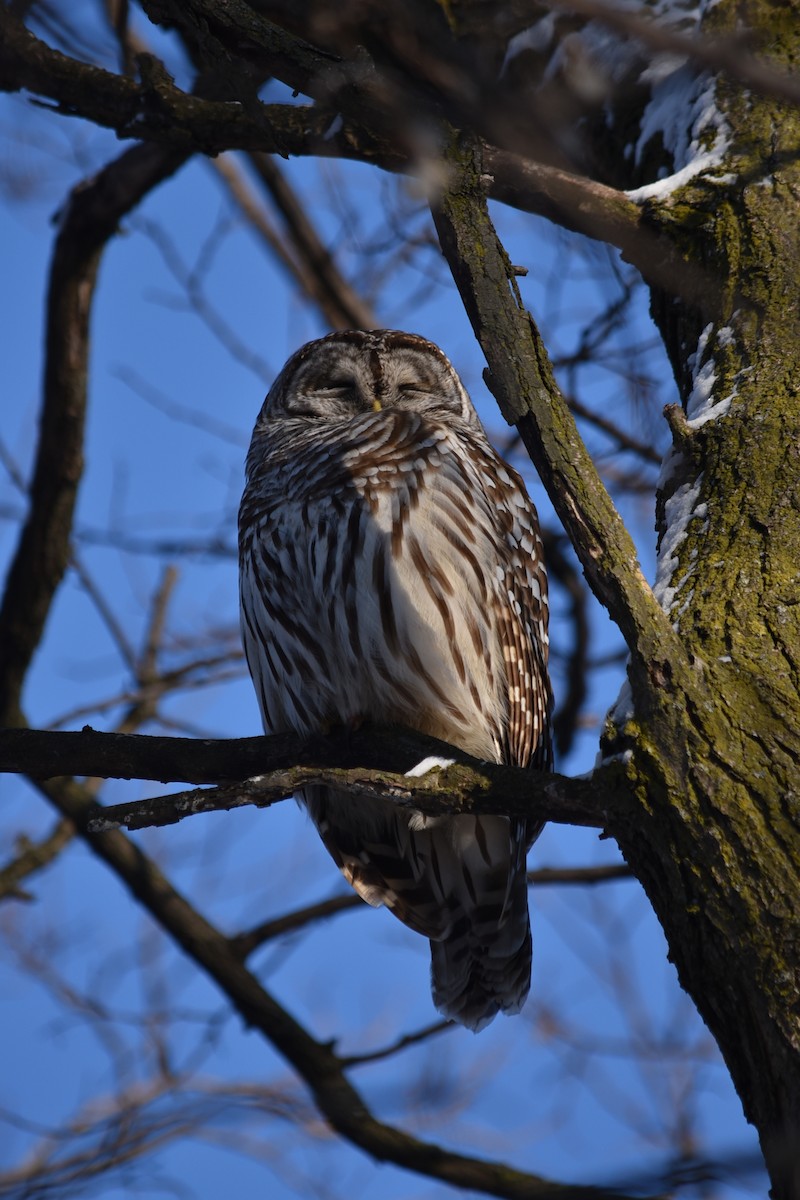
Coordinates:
<point>376,406</point>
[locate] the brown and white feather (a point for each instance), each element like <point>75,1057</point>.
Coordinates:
<point>391,570</point>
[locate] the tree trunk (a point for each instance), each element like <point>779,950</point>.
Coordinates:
<point>715,833</point>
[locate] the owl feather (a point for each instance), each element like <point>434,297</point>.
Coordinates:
<point>391,571</point>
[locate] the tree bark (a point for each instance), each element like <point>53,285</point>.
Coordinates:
<point>714,834</point>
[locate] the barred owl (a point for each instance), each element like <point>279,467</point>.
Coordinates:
<point>391,571</point>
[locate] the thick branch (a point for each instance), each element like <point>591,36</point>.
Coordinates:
<point>155,109</point>
<point>370,763</point>
<point>586,206</point>
<point>521,378</point>
<point>161,112</point>
<point>236,31</point>
<point>447,792</point>
<point>88,221</point>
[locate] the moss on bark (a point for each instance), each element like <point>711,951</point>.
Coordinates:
<point>714,829</point>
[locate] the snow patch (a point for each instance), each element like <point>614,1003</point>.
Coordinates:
<point>624,756</point>
<point>593,60</point>
<point>710,412</point>
<point>678,512</point>
<point>431,763</point>
<point>684,504</point>
<point>335,126</point>
<point>683,110</point>
<point>701,406</point>
<point>622,710</point>
<point>704,379</point>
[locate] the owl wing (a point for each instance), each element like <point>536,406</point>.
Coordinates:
<point>483,964</point>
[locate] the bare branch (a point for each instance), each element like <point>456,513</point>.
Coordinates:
<point>338,300</point>
<point>89,220</point>
<point>409,1039</point>
<point>567,714</point>
<point>580,876</point>
<point>32,857</point>
<point>156,109</point>
<point>455,790</point>
<point>245,943</point>
<point>160,111</point>
<point>339,1102</point>
<point>624,440</point>
<point>371,762</point>
<point>105,612</point>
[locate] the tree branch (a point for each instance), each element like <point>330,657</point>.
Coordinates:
<point>580,876</point>
<point>155,109</point>
<point>250,939</point>
<point>585,206</point>
<point>226,35</point>
<point>521,378</point>
<point>89,219</point>
<point>159,111</point>
<point>338,300</point>
<point>370,763</point>
<point>316,1062</point>
<point>32,857</point>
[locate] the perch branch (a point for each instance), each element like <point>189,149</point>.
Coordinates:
<point>370,762</point>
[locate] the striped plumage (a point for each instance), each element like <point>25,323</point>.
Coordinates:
<point>391,571</point>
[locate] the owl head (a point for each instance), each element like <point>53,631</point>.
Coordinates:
<point>350,373</point>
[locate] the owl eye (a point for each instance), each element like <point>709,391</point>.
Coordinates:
<point>418,388</point>
<point>335,385</point>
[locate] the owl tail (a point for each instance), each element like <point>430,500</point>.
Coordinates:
<point>460,881</point>
<point>473,979</point>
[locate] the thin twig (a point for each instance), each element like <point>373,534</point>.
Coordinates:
<point>402,1043</point>
<point>32,857</point>
<point>244,944</point>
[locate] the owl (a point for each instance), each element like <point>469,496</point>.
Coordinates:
<point>391,572</point>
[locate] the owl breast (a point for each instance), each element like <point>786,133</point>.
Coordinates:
<point>376,594</point>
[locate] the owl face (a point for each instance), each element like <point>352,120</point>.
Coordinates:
<point>348,374</point>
